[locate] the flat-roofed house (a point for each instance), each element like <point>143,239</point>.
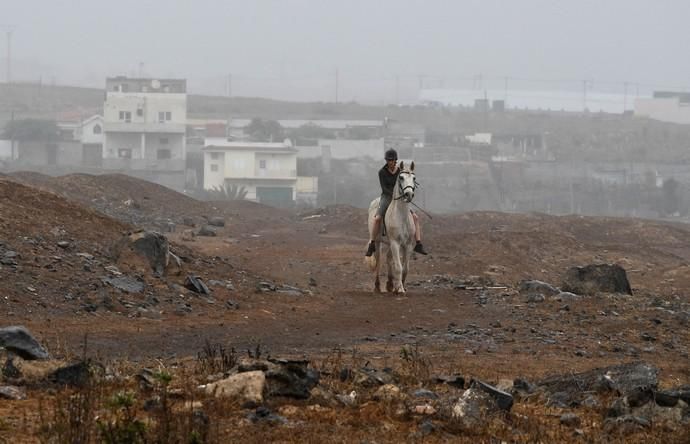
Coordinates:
<point>267,171</point>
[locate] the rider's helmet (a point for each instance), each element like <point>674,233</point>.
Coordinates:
<point>391,154</point>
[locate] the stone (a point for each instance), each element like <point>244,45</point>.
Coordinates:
<point>597,278</point>
<point>503,400</point>
<point>388,393</point>
<point>149,245</point>
<point>473,407</point>
<point>248,387</point>
<point>196,284</point>
<point>18,340</point>
<point>12,393</point>
<point>570,420</point>
<point>207,231</point>
<point>537,287</point>
<point>125,283</point>
<point>217,221</point>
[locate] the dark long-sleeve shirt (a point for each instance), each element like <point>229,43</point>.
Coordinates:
<point>387,180</point>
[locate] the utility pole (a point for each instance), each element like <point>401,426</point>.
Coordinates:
<point>584,96</point>
<point>625,96</point>
<point>8,33</point>
<point>397,89</point>
<point>337,79</point>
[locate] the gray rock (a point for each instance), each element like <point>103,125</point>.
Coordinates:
<point>207,231</point>
<point>18,340</point>
<point>503,400</point>
<point>473,407</point>
<point>424,393</point>
<point>217,221</point>
<point>196,284</point>
<point>570,420</point>
<point>149,244</point>
<point>539,287</point>
<point>597,278</point>
<point>12,393</point>
<point>125,283</point>
<point>622,379</point>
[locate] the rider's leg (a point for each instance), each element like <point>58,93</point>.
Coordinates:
<point>417,228</point>
<point>374,232</point>
<point>419,248</point>
<point>376,228</point>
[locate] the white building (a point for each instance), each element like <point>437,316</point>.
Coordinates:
<point>666,107</point>
<point>267,171</point>
<point>144,124</point>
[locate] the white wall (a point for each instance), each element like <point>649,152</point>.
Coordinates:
<point>663,109</point>
<point>88,136</point>
<point>6,149</point>
<point>150,104</point>
<point>214,179</point>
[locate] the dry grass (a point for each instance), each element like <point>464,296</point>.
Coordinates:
<point>116,408</point>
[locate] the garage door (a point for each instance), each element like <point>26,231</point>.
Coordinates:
<point>275,196</point>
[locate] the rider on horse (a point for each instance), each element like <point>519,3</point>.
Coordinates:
<point>388,175</point>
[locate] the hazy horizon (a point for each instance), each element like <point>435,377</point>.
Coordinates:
<point>376,52</point>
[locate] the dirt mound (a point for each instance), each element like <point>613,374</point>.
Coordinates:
<point>27,212</point>
<point>123,197</point>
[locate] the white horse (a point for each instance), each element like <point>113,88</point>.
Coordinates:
<point>399,227</point>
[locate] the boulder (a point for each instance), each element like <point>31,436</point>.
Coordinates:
<point>529,287</point>
<point>247,387</point>
<point>217,221</point>
<point>473,407</point>
<point>207,231</point>
<point>596,278</point>
<point>150,246</point>
<point>18,340</point>
<point>570,389</point>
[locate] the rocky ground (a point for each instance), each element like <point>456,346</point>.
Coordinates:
<point>293,285</point>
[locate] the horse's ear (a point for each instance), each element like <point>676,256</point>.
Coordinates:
<point>402,165</point>
<point>412,166</point>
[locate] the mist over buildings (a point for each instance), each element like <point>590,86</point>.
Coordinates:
<point>371,52</point>
<point>552,106</point>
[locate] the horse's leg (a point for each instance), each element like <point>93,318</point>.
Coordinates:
<point>396,268</point>
<point>389,270</point>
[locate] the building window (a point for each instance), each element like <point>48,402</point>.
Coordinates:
<point>164,116</point>
<point>140,112</point>
<point>97,129</point>
<point>163,141</point>
<point>262,164</point>
<point>124,153</point>
<point>214,167</point>
<point>126,116</point>
<point>163,154</point>
<point>215,156</point>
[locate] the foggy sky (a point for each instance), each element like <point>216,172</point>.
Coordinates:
<point>292,48</point>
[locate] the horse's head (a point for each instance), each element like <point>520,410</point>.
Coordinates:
<point>406,182</point>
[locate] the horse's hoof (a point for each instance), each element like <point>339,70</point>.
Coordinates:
<point>377,290</point>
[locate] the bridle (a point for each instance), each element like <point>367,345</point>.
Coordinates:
<point>402,188</point>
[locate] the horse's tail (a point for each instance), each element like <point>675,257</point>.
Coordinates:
<point>370,261</point>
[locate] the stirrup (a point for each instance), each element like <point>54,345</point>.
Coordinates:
<point>419,248</point>
<point>371,249</point>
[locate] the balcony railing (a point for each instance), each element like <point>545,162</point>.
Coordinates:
<point>275,174</point>
<point>144,164</point>
<point>150,127</point>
